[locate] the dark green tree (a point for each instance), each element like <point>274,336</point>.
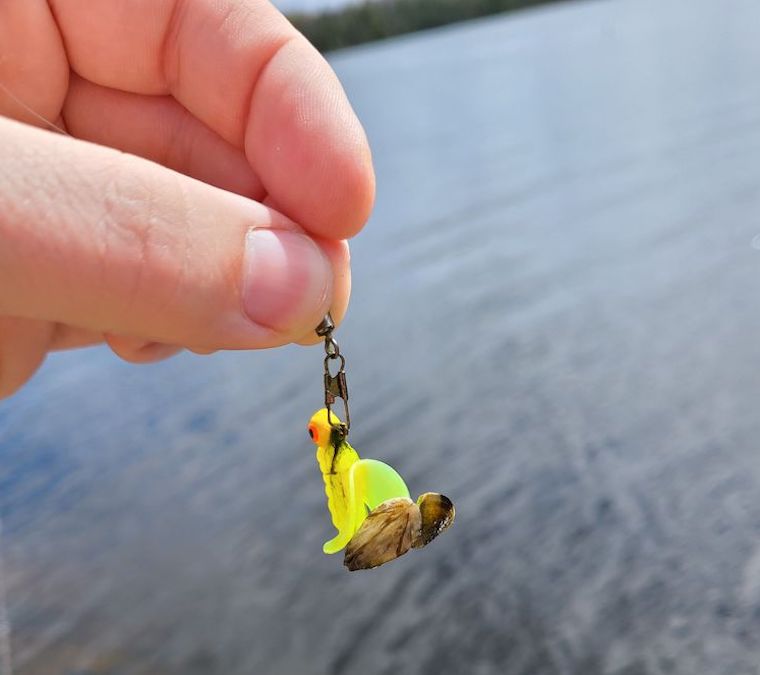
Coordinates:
<point>379,19</point>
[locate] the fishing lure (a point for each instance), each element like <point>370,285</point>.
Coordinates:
<point>368,500</point>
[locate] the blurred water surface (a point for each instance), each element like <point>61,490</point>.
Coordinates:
<point>555,321</point>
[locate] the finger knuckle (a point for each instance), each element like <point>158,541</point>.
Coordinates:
<point>141,232</point>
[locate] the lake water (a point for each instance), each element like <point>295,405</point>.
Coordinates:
<point>555,321</point>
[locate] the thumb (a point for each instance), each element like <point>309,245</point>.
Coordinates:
<point>113,243</point>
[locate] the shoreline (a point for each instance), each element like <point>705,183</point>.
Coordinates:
<point>375,20</point>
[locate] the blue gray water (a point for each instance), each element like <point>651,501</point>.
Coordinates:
<point>555,321</point>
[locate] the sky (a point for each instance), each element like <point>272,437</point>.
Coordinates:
<point>309,5</point>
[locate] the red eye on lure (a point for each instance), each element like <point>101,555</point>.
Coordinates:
<point>368,500</point>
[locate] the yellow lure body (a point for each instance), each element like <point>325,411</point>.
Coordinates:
<point>353,486</point>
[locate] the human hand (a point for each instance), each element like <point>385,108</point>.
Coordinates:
<point>230,238</point>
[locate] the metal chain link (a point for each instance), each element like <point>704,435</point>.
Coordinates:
<point>335,385</point>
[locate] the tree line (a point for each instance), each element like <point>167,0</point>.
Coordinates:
<point>378,19</point>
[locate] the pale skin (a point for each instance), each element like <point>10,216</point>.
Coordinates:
<point>229,123</point>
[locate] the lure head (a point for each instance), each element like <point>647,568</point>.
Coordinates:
<point>320,430</point>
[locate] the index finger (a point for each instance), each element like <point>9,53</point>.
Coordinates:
<point>242,69</point>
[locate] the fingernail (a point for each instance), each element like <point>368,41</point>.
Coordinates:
<point>286,280</point>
